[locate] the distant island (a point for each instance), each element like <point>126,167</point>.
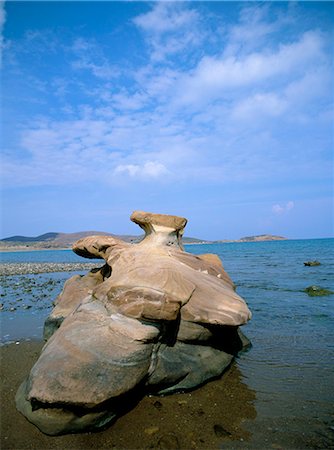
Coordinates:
<point>258,238</point>
<point>54,241</point>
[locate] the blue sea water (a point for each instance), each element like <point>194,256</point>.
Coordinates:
<point>291,363</point>
<point>35,256</point>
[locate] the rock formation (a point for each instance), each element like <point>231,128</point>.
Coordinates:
<point>153,319</point>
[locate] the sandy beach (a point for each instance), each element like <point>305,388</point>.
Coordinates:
<point>206,418</point>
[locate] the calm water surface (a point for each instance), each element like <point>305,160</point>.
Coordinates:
<point>291,363</point>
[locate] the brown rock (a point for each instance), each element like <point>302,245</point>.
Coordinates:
<point>152,315</point>
<point>75,290</point>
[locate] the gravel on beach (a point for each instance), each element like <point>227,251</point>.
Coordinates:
<point>44,267</point>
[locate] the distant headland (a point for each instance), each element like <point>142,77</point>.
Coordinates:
<point>258,238</point>
<point>56,241</point>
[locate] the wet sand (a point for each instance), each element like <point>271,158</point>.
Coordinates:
<point>210,417</point>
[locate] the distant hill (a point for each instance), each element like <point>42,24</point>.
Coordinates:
<point>65,240</point>
<point>262,237</point>
<point>41,238</point>
<point>258,238</point>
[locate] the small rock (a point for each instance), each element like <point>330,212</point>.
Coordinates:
<point>169,441</point>
<point>151,430</point>
<point>220,431</point>
<point>157,404</point>
<point>312,263</point>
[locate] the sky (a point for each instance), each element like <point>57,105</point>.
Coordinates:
<point>220,112</point>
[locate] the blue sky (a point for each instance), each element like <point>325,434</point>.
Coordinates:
<point>221,112</point>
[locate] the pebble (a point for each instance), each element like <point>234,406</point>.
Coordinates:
<point>220,431</point>
<point>151,430</point>
<point>169,441</point>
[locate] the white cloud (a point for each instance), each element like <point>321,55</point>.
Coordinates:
<point>215,76</point>
<point>213,119</point>
<point>170,28</point>
<point>282,209</point>
<point>166,17</point>
<point>254,29</point>
<point>315,84</point>
<point>103,70</point>
<point>128,102</point>
<point>89,56</point>
<point>75,151</point>
<point>259,105</point>
<point>150,169</point>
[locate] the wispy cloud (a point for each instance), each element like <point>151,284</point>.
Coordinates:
<point>166,17</point>
<point>89,56</point>
<point>169,28</point>
<point>279,209</point>
<point>216,114</point>
<point>255,28</point>
<point>150,169</point>
<point>215,77</point>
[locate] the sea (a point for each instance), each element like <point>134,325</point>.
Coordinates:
<point>290,366</point>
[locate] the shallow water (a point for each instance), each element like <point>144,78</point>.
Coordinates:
<point>291,364</point>
<point>26,301</point>
<point>57,256</point>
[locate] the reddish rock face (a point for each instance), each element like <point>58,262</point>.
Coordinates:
<point>152,316</point>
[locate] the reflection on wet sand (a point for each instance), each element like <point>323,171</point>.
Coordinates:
<point>208,417</point>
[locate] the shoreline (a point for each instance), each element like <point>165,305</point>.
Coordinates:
<point>14,249</point>
<point>26,248</point>
<point>26,268</point>
<point>18,248</point>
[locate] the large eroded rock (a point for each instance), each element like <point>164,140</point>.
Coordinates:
<point>152,318</point>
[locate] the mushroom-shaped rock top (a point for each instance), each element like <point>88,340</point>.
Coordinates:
<point>160,229</point>
<point>145,218</point>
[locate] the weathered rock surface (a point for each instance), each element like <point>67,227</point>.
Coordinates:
<point>152,317</point>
